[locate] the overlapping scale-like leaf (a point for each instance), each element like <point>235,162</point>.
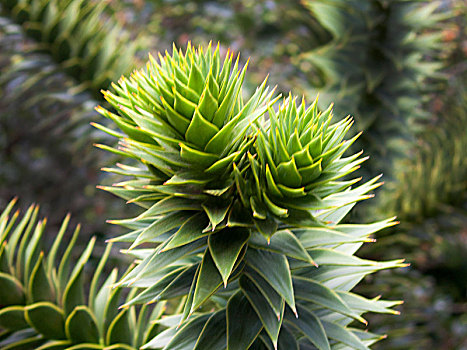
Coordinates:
<point>186,112</point>
<point>299,163</point>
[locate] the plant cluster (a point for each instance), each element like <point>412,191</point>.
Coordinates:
<point>243,195</point>
<point>241,212</point>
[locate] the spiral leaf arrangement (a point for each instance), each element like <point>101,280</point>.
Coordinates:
<point>43,304</point>
<point>242,205</point>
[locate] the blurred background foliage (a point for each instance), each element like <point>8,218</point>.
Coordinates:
<point>398,67</point>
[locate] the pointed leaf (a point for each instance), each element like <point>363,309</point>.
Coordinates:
<point>209,280</point>
<point>168,286</point>
<point>157,261</point>
<point>188,335</point>
<point>275,300</point>
<point>266,227</point>
<point>200,131</point>
<point>201,159</point>
<point>214,334</point>
<point>287,340</point>
<point>216,210</point>
<point>320,236</point>
<point>309,290</point>
<point>271,323</point>
<point>74,293</point>
<point>288,174</point>
<point>243,325</point>
<point>102,299</point>
<point>64,267</point>
<point>120,330</point>
<point>225,247</point>
<point>275,269</point>
<point>284,242</point>
<point>51,256</point>
<point>190,231</point>
<point>40,286</point>
<point>311,327</point>
<point>339,333</point>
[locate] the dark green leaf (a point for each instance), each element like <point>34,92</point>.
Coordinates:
<point>12,318</point>
<point>271,323</point>
<point>209,280</point>
<point>40,286</point>
<point>339,333</point>
<point>188,335</point>
<point>214,334</point>
<point>274,268</point>
<point>74,293</point>
<point>311,327</point>
<point>154,263</point>
<point>266,227</point>
<point>190,231</point>
<point>243,325</point>
<point>120,330</point>
<point>225,247</point>
<point>287,340</point>
<point>47,319</point>
<point>274,299</point>
<point>216,209</point>
<point>11,291</point>
<point>81,326</point>
<point>284,242</point>
<point>309,290</point>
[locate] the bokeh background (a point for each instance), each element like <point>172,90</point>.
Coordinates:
<point>398,67</point>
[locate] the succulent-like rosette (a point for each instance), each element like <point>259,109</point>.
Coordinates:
<point>185,117</point>
<point>299,164</point>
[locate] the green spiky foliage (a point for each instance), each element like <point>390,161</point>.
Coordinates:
<point>378,68</point>
<point>43,303</point>
<point>75,32</point>
<point>241,215</point>
<point>51,70</point>
<point>300,164</point>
